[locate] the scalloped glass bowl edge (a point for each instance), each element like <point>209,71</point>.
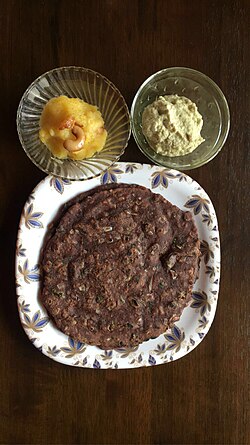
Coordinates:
<point>85,84</point>
<point>211,103</point>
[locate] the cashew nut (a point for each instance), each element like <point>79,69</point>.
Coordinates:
<point>78,143</point>
<point>69,122</point>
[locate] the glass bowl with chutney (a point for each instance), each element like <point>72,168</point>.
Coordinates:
<point>40,135</point>
<point>210,103</point>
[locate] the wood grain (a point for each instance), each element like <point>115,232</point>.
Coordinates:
<point>203,398</point>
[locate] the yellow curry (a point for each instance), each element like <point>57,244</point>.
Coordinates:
<point>72,128</point>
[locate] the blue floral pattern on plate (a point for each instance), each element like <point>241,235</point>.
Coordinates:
<point>28,274</point>
<point>131,168</point>
<point>207,218</point>
<point>36,323</point>
<point>32,218</point>
<point>197,204</point>
<point>59,183</point>
<point>196,319</point>
<point>203,321</point>
<point>53,351</point>
<point>206,251</point>
<point>110,175</point>
<point>161,178</point>
<point>175,338</point>
<point>182,177</point>
<point>201,302</point>
<point>20,251</point>
<point>151,360</point>
<point>73,348</point>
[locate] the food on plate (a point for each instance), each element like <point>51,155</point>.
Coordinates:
<point>72,128</point>
<point>119,266</point>
<point>172,125</point>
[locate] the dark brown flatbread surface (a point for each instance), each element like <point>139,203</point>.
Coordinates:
<point>120,266</point>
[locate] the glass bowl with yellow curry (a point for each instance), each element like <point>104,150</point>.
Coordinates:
<point>73,122</point>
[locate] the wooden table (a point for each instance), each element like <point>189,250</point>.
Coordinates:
<point>202,398</point>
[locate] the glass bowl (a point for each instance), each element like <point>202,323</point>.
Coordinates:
<point>211,104</point>
<point>93,88</point>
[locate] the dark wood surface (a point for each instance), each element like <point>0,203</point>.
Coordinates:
<point>202,398</point>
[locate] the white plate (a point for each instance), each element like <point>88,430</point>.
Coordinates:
<point>40,209</point>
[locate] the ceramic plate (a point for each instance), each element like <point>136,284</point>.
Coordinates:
<point>40,209</point>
